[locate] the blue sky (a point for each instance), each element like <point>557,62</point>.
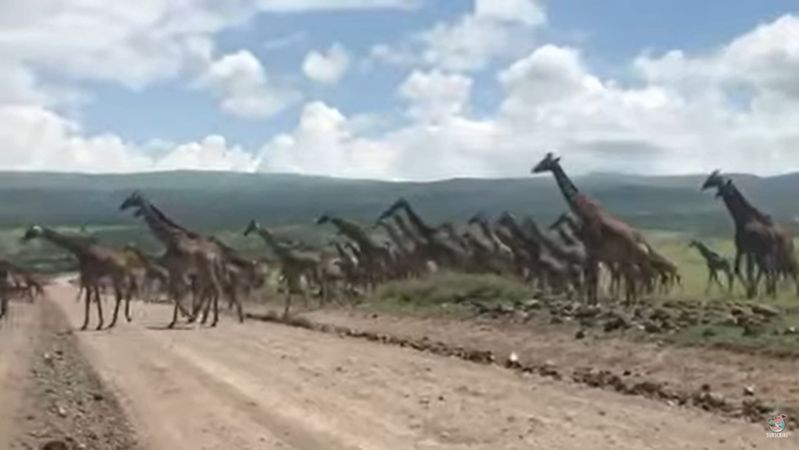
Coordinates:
<point>239,77</point>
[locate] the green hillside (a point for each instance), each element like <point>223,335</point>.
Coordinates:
<point>225,202</point>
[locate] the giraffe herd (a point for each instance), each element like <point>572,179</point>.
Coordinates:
<point>570,257</point>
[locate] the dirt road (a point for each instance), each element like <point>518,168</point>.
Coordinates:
<point>18,334</point>
<point>260,386</point>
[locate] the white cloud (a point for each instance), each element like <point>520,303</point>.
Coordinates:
<point>327,67</point>
<point>212,152</point>
<point>36,139</point>
<point>240,82</point>
<point>434,95</point>
<point>528,12</point>
<point>494,28</point>
<point>134,44</point>
<point>325,143</point>
<point>735,109</point>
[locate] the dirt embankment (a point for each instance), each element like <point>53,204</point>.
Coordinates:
<point>58,399</point>
<point>732,383</point>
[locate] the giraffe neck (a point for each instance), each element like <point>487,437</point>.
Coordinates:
<point>352,231</point>
<point>163,231</point>
<point>395,237</point>
<point>486,230</point>
<point>567,187</point>
<point>739,207</point>
<point>281,251</point>
<point>72,245</point>
<point>424,229</point>
<point>405,228</point>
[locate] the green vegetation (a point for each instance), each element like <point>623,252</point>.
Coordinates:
<point>448,294</point>
<point>222,203</point>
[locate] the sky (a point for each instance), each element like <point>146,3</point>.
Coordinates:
<point>399,89</point>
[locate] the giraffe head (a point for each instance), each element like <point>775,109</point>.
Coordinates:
<point>714,180</point>
<point>323,219</point>
<point>400,203</point>
<point>506,218</point>
<point>477,219</point>
<point>252,227</point>
<point>726,188</point>
<point>548,164</point>
<point>33,232</point>
<point>134,200</point>
<point>693,243</point>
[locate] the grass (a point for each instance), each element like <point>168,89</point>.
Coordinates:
<point>448,293</point>
<point>452,295</point>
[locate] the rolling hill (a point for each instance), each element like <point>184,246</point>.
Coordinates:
<point>222,202</point>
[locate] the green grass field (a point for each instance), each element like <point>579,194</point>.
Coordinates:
<point>454,295</point>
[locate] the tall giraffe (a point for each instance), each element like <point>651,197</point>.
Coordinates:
<point>189,258</point>
<point>95,262</point>
<point>608,239</point>
<point>757,240</point>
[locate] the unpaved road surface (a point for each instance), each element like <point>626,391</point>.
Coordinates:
<point>263,386</point>
<point>49,393</point>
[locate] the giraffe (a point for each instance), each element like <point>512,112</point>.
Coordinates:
<point>608,239</point>
<point>95,262</point>
<point>522,259</point>
<point>407,258</point>
<point>25,282</point>
<point>500,249</point>
<point>665,273</point>
<point>294,264</point>
<point>715,264</point>
<point>573,258</point>
<point>445,253</point>
<point>152,271</point>
<point>375,257</point>
<point>549,271</point>
<point>348,264</point>
<point>244,274</point>
<point>424,252</point>
<point>756,238</point>
<point>190,259</point>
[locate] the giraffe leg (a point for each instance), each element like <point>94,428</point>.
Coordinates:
<point>216,311</point>
<point>88,301</point>
<point>3,304</point>
<point>177,296</point>
<point>206,308</point>
<point>117,303</point>
<point>128,315</point>
<point>99,308</point>
<point>287,305</point>
<point>239,310</point>
<point>712,276</point>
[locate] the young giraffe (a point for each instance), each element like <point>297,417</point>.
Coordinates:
<point>293,264</point>
<point>95,262</point>
<point>150,271</point>
<point>715,264</point>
